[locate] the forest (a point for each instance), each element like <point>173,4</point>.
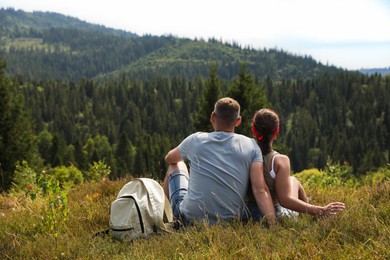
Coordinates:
<point>50,46</point>
<point>74,96</point>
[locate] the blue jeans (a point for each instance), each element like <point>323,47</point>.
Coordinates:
<point>178,186</point>
<point>255,214</point>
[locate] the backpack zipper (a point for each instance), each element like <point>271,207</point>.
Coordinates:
<point>138,211</point>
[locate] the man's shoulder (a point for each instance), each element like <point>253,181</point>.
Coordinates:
<point>200,134</point>
<point>196,135</point>
<point>245,138</point>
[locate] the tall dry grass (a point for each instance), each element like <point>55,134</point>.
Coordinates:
<point>360,232</point>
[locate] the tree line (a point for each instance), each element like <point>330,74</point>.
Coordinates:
<point>130,124</point>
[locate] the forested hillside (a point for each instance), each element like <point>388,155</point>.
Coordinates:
<point>74,95</point>
<point>52,46</point>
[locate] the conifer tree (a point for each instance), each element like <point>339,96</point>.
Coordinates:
<point>250,95</point>
<point>211,93</point>
<point>58,150</point>
<point>45,142</point>
<point>17,141</point>
<point>125,155</point>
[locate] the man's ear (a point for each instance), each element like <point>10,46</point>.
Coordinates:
<point>239,119</point>
<point>212,117</point>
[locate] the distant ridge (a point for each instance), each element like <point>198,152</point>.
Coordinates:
<point>381,71</point>
<point>21,22</point>
<point>44,45</point>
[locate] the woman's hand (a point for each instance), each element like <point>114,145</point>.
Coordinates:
<point>332,209</point>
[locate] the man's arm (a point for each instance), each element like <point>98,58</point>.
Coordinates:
<point>173,156</point>
<point>261,192</point>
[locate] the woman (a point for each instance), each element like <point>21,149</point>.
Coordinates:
<point>287,193</point>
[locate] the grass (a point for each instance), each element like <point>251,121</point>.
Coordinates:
<point>360,232</point>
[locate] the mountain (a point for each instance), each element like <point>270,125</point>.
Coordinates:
<point>17,23</point>
<point>372,71</point>
<point>43,45</point>
<point>146,91</point>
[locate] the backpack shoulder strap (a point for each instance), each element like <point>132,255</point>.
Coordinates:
<point>168,210</point>
<point>156,194</point>
<point>101,233</point>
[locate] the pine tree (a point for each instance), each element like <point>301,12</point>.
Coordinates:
<point>17,141</point>
<point>125,156</point>
<point>249,95</point>
<point>211,93</point>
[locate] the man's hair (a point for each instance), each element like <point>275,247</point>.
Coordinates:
<point>227,110</point>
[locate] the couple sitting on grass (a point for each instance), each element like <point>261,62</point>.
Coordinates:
<point>227,179</point>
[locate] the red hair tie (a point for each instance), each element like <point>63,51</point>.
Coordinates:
<point>255,133</point>
<point>261,137</point>
<point>276,132</point>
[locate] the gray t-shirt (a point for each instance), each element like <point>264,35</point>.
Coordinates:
<point>219,174</point>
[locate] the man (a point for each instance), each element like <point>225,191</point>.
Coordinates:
<point>221,164</point>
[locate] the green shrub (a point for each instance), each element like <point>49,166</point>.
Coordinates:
<point>312,177</point>
<point>68,176</point>
<point>380,176</point>
<point>54,216</point>
<point>335,175</point>
<point>25,180</point>
<point>97,171</point>
<point>24,177</point>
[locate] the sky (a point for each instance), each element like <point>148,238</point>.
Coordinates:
<point>351,34</point>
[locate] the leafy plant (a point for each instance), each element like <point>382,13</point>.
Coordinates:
<point>25,179</point>
<point>97,171</point>
<point>335,175</point>
<point>68,176</point>
<point>380,176</point>
<point>56,211</point>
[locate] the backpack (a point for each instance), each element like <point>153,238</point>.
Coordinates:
<point>140,209</point>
